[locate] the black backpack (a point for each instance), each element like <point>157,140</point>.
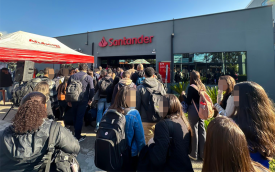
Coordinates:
<point>106,86</point>
<point>157,100</point>
<point>111,145</point>
<point>24,89</point>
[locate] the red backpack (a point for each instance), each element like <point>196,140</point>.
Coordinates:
<point>206,110</point>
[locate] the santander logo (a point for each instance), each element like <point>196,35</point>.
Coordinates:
<point>103,43</point>
<point>126,41</point>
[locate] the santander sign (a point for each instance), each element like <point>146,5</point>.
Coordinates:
<point>126,41</point>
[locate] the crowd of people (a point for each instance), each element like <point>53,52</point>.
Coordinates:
<point>140,126</point>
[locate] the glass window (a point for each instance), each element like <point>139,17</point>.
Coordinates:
<point>212,65</point>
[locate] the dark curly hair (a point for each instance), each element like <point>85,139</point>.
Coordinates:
<point>31,114</point>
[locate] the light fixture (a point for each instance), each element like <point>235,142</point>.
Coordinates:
<point>154,51</point>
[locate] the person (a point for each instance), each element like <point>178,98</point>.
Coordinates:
<point>134,132</point>
<point>132,69</point>
<point>226,148</point>
<point>196,123</point>
<point>79,108</point>
<point>43,87</point>
<point>255,115</point>
<point>72,72</point>
<point>115,71</point>
<point>226,83</point>
<point>113,75</point>
<point>24,143</point>
<point>61,93</point>
<point>91,74</point>
<point>138,74</point>
<point>178,76</point>
<point>46,73</point>
<point>143,96</point>
<point>169,151</point>
<point>6,82</point>
<point>97,74</point>
<point>104,90</point>
<point>125,81</point>
<point>100,68</point>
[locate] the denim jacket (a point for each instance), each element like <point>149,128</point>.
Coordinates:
<point>133,127</point>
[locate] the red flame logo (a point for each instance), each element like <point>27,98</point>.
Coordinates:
<point>103,43</point>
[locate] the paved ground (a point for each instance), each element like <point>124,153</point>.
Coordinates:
<point>86,155</point>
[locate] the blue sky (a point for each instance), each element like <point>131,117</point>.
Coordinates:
<point>65,17</point>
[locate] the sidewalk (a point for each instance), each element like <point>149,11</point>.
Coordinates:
<point>86,154</point>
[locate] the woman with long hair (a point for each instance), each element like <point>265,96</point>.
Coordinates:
<point>43,87</point>
<point>226,148</point>
<point>196,123</point>
<point>225,103</point>
<point>124,103</point>
<point>255,115</point>
<point>24,143</point>
<point>169,149</point>
<point>61,96</point>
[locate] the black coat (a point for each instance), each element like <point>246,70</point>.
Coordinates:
<point>5,79</point>
<point>178,159</point>
<point>33,146</point>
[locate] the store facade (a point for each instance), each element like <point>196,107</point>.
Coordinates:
<point>238,42</point>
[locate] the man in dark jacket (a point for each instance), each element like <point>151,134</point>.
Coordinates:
<point>79,108</point>
<point>138,74</point>
<point>6,82</point>
<point>125,81</point>
<point>104,91</point>
<point>143,97</point>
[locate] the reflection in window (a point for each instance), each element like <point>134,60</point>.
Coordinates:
<point>213,65</point>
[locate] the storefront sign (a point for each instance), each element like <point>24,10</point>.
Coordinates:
<point>177,58</point>
<point>126,41</point>
<point>164,71</point>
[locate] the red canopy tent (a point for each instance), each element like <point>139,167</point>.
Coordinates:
<point>23,46</point>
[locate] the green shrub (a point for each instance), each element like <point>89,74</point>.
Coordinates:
<point>213,93</point>
<point>272,165</point>
<point>179,87</point>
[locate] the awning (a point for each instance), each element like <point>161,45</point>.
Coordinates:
<point>139,61</point>
<point>23,46</point>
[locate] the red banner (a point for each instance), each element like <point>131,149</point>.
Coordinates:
<point>164,70</point>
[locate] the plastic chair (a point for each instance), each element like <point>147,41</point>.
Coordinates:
<point>4,96</point>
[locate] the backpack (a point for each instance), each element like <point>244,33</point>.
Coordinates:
<point>178,77</point>
<point>106,86</point>
<point>74,90</point>
<point>140,80</point>
<point>156,100</point>
<point>132,85</point>
<point>56,159</point>
<point>206,105</point>
<point>24,89</point>
<point>110,143</point>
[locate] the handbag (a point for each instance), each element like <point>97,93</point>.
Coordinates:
<point>56,159</point>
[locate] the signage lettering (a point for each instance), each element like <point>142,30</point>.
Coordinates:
<point>126,41</point>
<point>43,43</point>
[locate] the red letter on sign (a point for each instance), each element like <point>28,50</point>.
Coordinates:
<point>120,42</point>
<point>140,40</point>
<point>115,43</point>
<point>151,37</point>
<point>110,40</point>
<point>146,40</point>
<point>134,41</point>
<point>124,40</point>
<point>129,41</point>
